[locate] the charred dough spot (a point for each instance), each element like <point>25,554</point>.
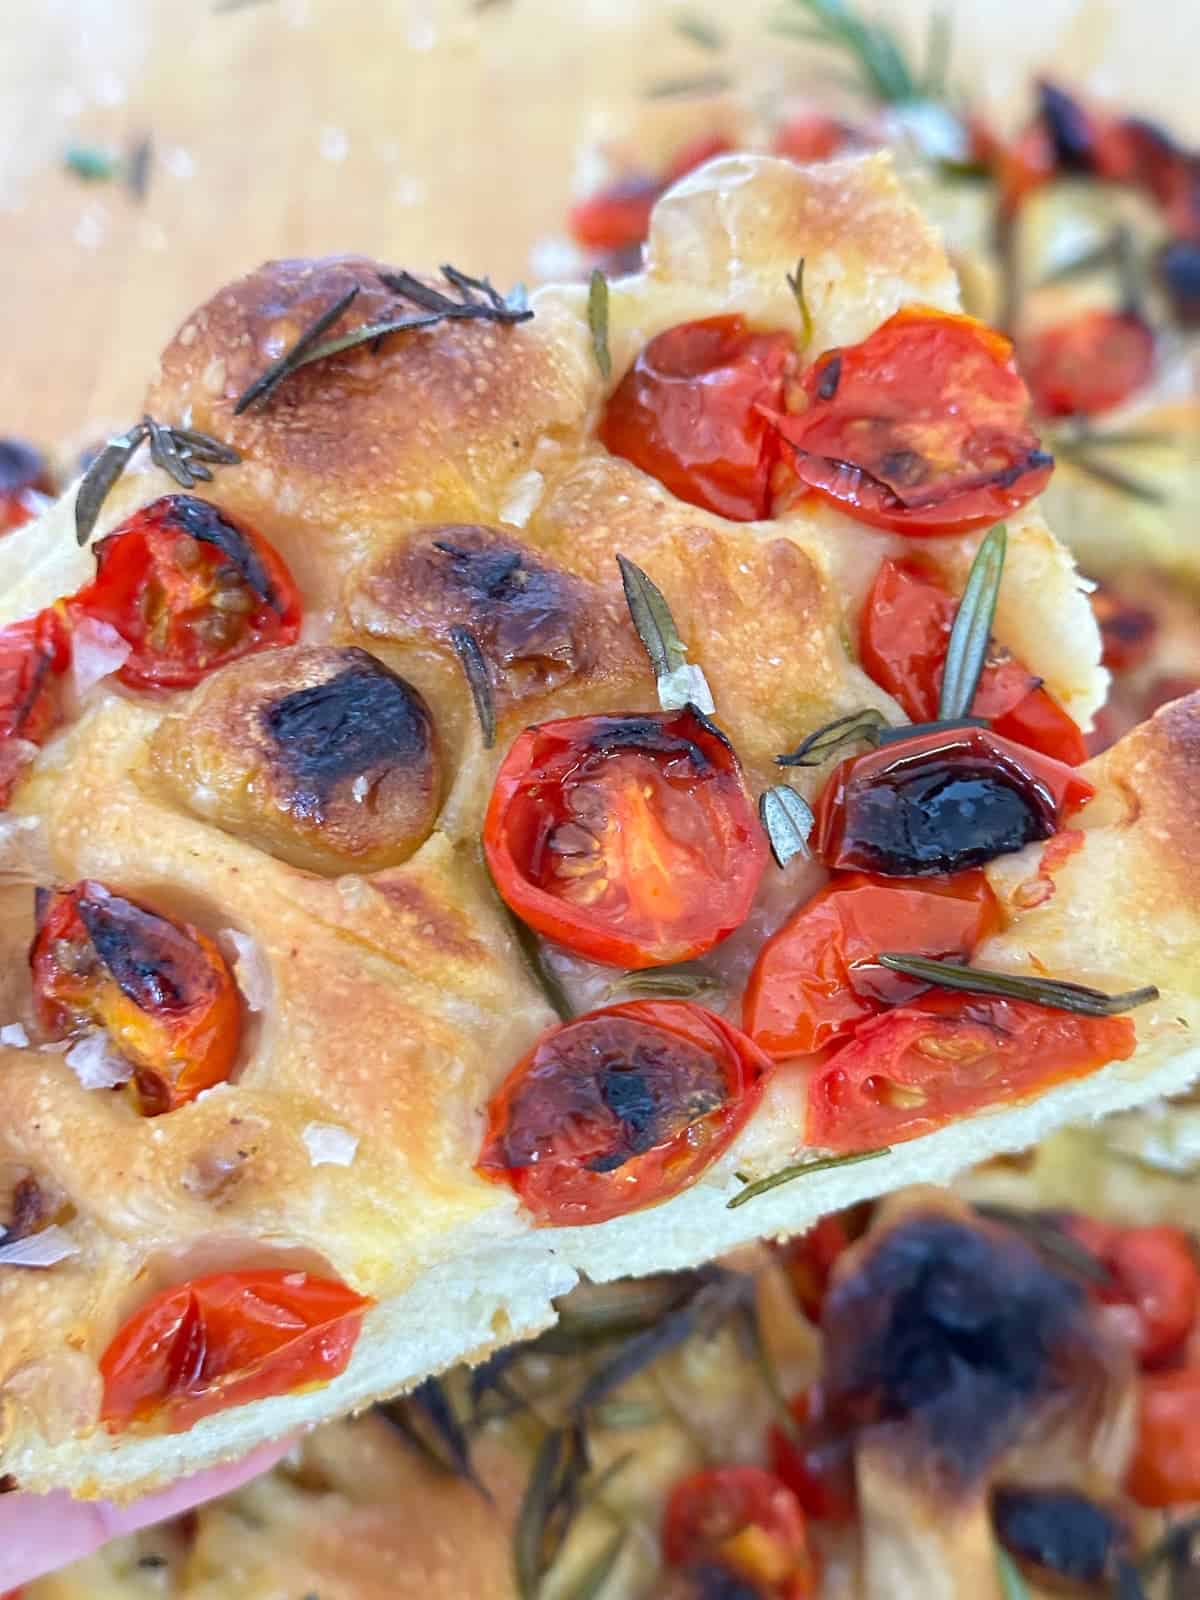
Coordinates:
<point>1060,1533</point>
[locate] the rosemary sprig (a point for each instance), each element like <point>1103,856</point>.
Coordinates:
<point>801,1169</point>
<point>183,453</point>
<point>795,282</point>
<point>971,634</point>
<point>475,670</point>
<point>291,358</point>
<point>592,1580</point>
<point>688,981</point>
<point>787,820</point>
<point>1104,472</point>
<point>137,166</point>
<point>1056,994</point>
<point>597,315</point>
<point>679,681</point>
<point>1051,1241</point>
<point>937,54</point>
<point>548,1506</point>
<point>91,163</point>
<point>913,730</point>
<point>874,48</point>
<point>699,30</point>
<point>427,1419</point>
<point>823,742</point>
<point>1012,1584</point>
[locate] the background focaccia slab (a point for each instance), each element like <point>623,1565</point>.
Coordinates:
<point>399,1000</point>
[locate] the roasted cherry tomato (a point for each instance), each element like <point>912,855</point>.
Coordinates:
<point>919,1067</point>
<point>941,802</point>
<point>1023,166</point>
<point>188,589</point>
<point>1153,1272</point>
<point>817,978</point>
<point>25,484</point>
<point>704,147</point>
<point>1165,1470</point>
<point>620,1109</point>
<point>808,136</point>
<point>1127,631</point>
<point>690,412</point>
<point>745,1521</point>
<point>161,989</point>
<point>816,1463</point>
<point>33,657</point>
<point>1090,363</point>
<point>225,1340</point>
<point>922,428</point>
<point>629,839</point>
<point>809,1260</point>
<point>616,217</point>
<point>902,644</point>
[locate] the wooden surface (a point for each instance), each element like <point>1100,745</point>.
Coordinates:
<point>416,130</point>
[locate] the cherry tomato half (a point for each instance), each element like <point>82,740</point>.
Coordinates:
<point>903,638</point>
<point>1165,1470</point>
<point>617,217</point>
<point>1153,1272</point>
<point>25,484</point>
<point>818,1464</point>
<point>690,412</point>
<point>941,802</point>
<point>816,978</point>
<point>188,589</point>
<point>923,428</point>
<point>225,1340</point>
<point>919,1067</point>
<point>809,1259</point>
<point>747,1522</point>
<point>629,839</point>
<point>809,136</point>
<point>1090,363</point>
<point>33,657</point>
<point>161,989</point>
<point>620,1109</point>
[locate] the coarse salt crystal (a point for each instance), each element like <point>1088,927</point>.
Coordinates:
<point>329,1145</point>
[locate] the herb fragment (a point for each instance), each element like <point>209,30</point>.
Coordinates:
<point>471,659</point>
<point>427,1419</point>
<point>549,1504</point>
<point>553,992</point>
<point>1055,1243</point>
<point>699,30</point>
<point>1083,459</point>
<point>91,163</point>
<point>597,315</point>
<point>183,453</point>
<point>266,381</point>
<point>680,88</point>
<point>967,649</point>
<point>874,48</point>
<point>679,681</point>
<point>795,282</point>
<point>1056,994</point>
<point>937,54</point>
<point>137,167</point>
<point>687,981</point>
<point>800,1170</point>
<point>914,730</point>
<point>854,728</point>
<point>1173,1551</point>
<point>787,820</point>
<point>1012,1584</point>
<point>592,1580</point>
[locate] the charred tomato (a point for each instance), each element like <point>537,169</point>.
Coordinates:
<point>25,484</point>
<point>817,978</point>
<point>923,428</point>
<point>922,1066</point>
<point>33,657</point>
<point>691,412</point>
<point>161,989</point>
<point>629,839</point>
<point>941,802</point>
<point>1088,364</point>
<point>745,1521</point>
<point>620,1109</point>
<point>225,1340</point>
<point>903,637</point>
<point>188,589</point>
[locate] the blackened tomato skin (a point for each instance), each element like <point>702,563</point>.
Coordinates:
<point>620,1109</point>
<point>630,840</point>
<point>940,803</point>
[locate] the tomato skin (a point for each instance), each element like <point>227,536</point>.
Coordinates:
<point>1153,1272</point>
<point>1091,363</point>
<point>809,1260</point>
<point>619,1109</point>
<point>808,136</point>
<point>903,637</point>
<point>161,989</point>
<point>708,1510</point>
<point>895,811</point>
<point>816,979</point>
<point>188,589</point>
<point>34,655</point>
<point>1127,630</point>
<point>690,413</point>
<point>1165,1470</point>
<point>819,1468</point>
<point>616,217</point>
<point>649,806</point>
<point>922,428</point>
<point>225,1340</point>
<point>920,1067</point>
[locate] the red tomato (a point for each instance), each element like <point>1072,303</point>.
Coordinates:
<point>1090,363</point>
<point>616,217</point>
<point>941,802</point>
<point>33,657</point>
<point>629,839</point>
<point>817,978</point>
<point>1127,630</point>
<point>919,1067</point>
<point>809,1260</point>
<point>1023,166</point>
<point>620,1109</point>
<point>1152,1271</point>
<point>746,1521</point>
<point>225,1340</point>
<point>819,1467</point>
<point>904,634</point>
<point>705,147</point>
<point>808,136</point>
<point>25,484</point>
<point>188,589</point>
<point>923,428</point>
<point>1165,1470</point>
<point>161,989</point>
<point>690,413</point>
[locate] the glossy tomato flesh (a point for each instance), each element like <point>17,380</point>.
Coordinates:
<point>34,655</point>
<point>629,839</point>
<point>690,412</point>
<point>225,1340</point>
<point>747,1522</point>
<point>903,637</point>
<point>922,1066</point>
<point>189,590</point>
<point>1091,363</point>
<point>620,1109</point>
<point>1165,1469</point>
<point>923,428</point>
<point>161,989</point>
<point>817,977</point>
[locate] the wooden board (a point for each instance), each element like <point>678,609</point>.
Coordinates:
<point>415,130</point>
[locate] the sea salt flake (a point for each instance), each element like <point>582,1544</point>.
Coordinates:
<point>329,1145</point>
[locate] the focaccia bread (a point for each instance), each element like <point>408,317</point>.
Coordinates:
<point>314,810</point>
